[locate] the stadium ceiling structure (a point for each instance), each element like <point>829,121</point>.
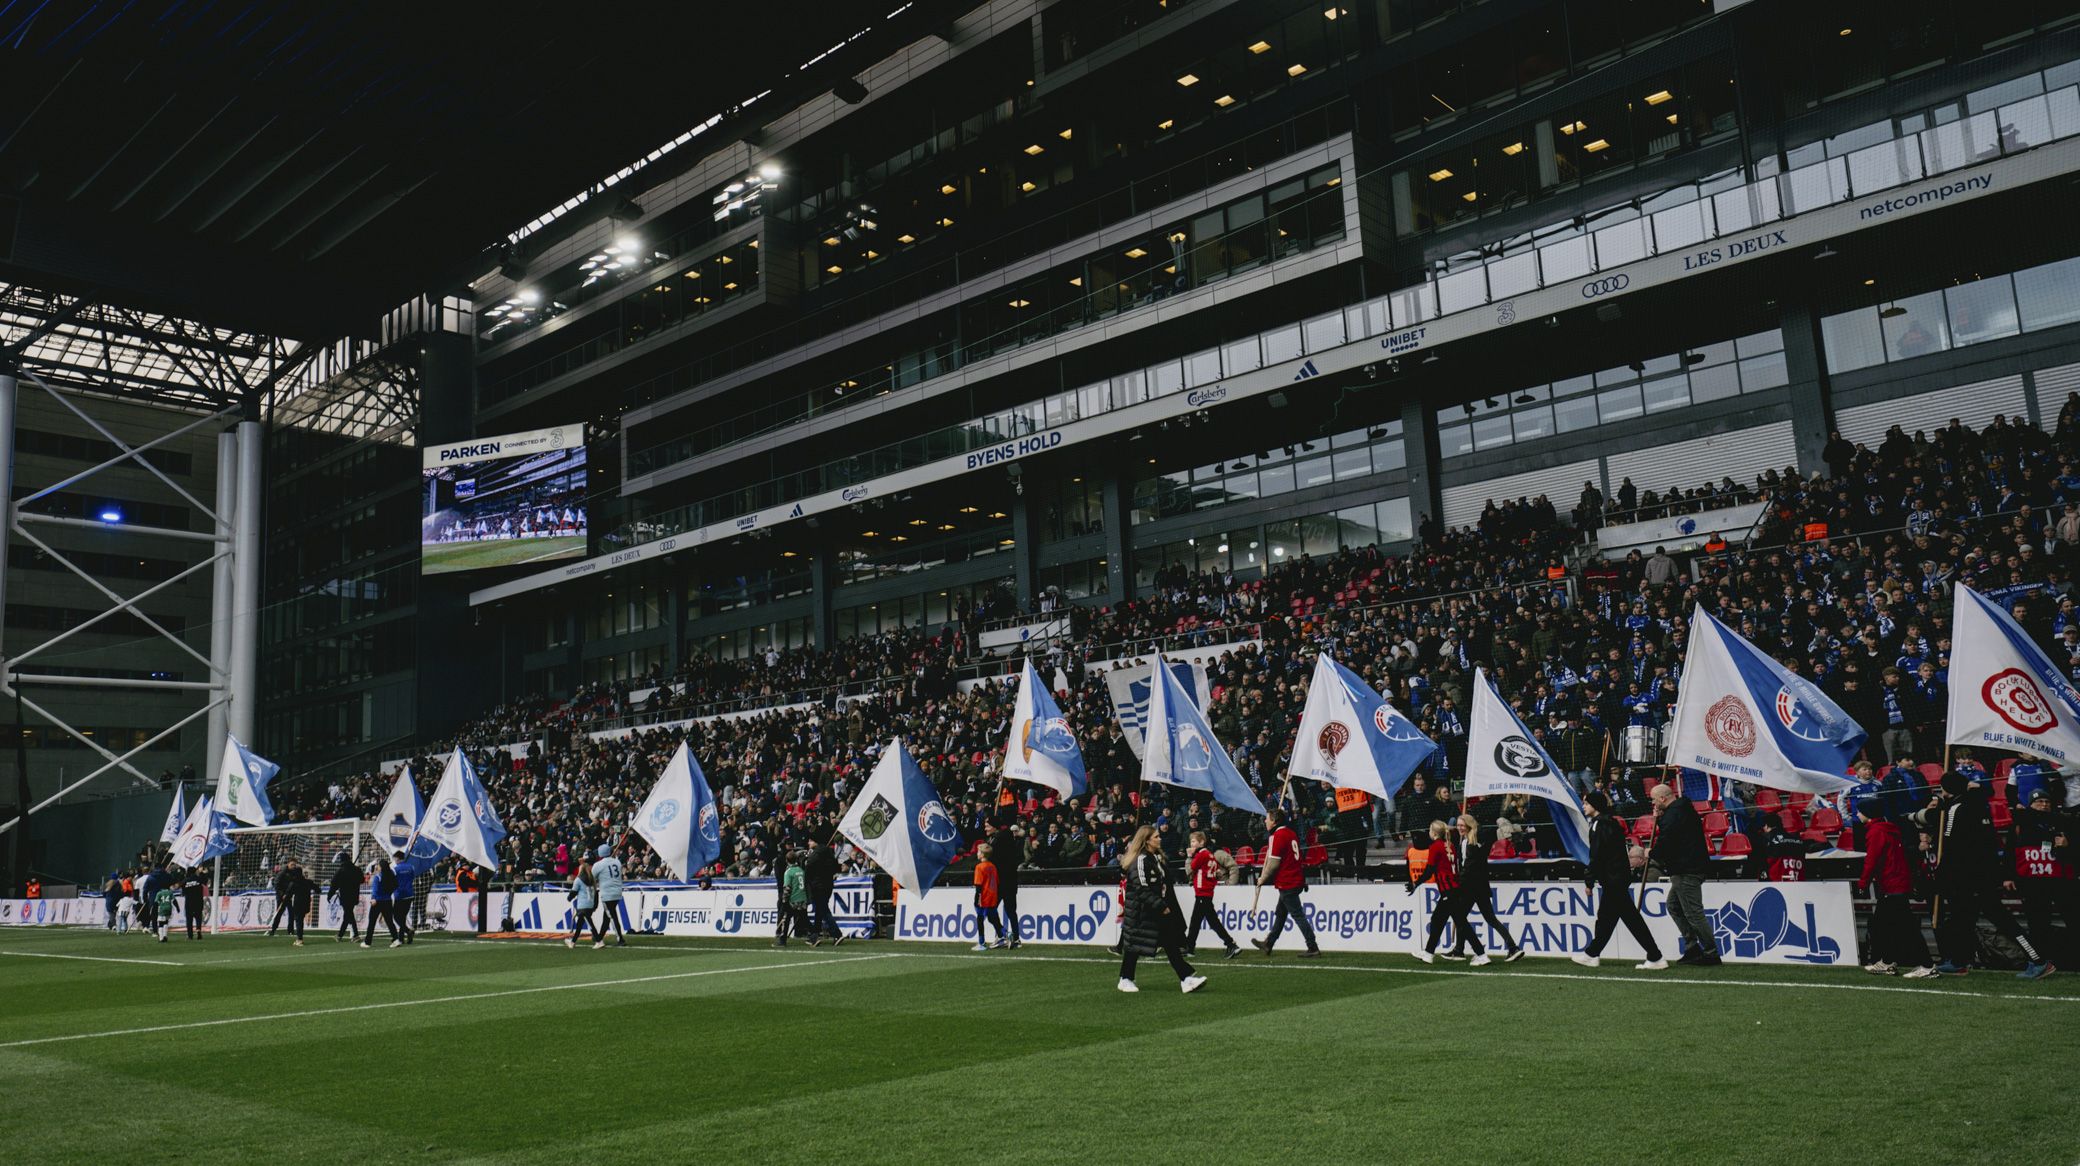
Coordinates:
<point>294,169</point>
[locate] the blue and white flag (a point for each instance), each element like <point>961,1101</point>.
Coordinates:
<point>459,817</point>
<point>203,836</point>
<point>1502,757</point>
<point>2005,693</point>
<point>898,821</point>
<point>679,819</point>
<point>242,785</point>
<point>1129,689</point>
<point>399,819</point>
<point>1352,738</point>
<point>1743,715</point>
<point>175,816</point>
<point>1182,750</point>
<point>1042,748</point>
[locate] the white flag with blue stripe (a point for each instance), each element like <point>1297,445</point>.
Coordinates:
<point>1741,714</point>
<point>679,819</point>
<point>2005,693</point>
<point>242,785</point>
<point>204,835</point>
<point>398,821</point>
<point>1042,748</point>
<point>1130,691</point>
<point>1502,758</point>
<point>898,821</point>
<point>1351,737</point>
<point>459,817</point>
<point>1182,750</point>
<point>175,816</point>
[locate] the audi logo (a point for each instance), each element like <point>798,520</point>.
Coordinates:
<point>1609,285</point>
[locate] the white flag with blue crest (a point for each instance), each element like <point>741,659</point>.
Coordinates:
<point>459,818</point>
<point>175,816</point>
<point>1042,748</point>
<point>1741,714</point>
<point>1351,737</point>
<point>1182,750</point>
<point>242,785</point>
<point>679,819</point>
<point>898,821</point>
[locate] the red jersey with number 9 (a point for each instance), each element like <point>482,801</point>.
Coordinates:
<point>1285,847</point>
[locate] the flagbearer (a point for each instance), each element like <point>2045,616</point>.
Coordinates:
<point>607,874</point>
<point>1282,870</point>
<point>1441,867</point>
<point>1206,875</point>
<point>1681,852</point>
<point>346,887</point>
<point>194,889</point>
<point>1610,872</point>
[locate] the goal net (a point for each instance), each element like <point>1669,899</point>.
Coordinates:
<point>244,880</point>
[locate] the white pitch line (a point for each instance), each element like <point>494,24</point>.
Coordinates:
<point>46,1040</point>
<point>99,959</point>
<point>1641,978</point>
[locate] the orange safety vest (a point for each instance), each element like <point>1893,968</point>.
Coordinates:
<point>1418,860</point>
<point>1556,572</point>
<point>466,879</point>
<point>129,886</point>
<point>35,889</point>
<point>1714,545</point>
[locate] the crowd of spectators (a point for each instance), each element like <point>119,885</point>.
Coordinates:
<point>1846,580</point>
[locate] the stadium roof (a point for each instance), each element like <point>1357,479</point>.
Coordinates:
<point>296,168</point>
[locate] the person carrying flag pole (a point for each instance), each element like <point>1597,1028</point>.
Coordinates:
<point>1610,874</point>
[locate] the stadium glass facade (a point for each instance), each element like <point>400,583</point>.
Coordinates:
<point>1085,292</point>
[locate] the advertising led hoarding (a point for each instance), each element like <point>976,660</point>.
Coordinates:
<point>503,501</point>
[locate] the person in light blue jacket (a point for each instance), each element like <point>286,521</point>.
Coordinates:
<point>583,900</point>
<point>607,875</point>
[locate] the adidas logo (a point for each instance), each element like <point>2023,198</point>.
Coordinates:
<point>796,512</point>
<point>1307,369</point>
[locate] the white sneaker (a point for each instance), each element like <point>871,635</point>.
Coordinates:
<point>296,943</point>
<point>981,947</point>
<point>571,943</point>
<point>397,943</point>
<point>1925,972</point>
<point>1587,961</point>
<point>1126,985</point>
<point>1479,961</point>
<point>364,943</point>
<point>1428,957</point>
<point>598,944</point>
<point>1191,983</point>
<point>1653,965</point>
<point>1879,968</point>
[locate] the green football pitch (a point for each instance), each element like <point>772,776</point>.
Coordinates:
<point>436,558</point>
<point>240,1048</point>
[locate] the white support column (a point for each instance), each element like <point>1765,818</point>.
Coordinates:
<point>245,591</point>
<point>220,594</point>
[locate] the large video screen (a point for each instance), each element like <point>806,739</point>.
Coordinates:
<point>503,501</point>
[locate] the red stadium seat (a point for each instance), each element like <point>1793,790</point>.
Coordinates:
<point>1846,840</point>
<point>2002,817</point>
<point>1316,855</point>
<point>1736,844</point>
<point>1529,848</point>
<point>1819,836</point>
<point>1502,849</point>
<point>1245,856</point>
<point>2001,767</point>
<point>1715,823</point>
<point>1931,772</point>
<point>1826,819</point>
<point>1767,801</point>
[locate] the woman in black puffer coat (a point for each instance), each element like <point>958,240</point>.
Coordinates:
<point>1151,922</point>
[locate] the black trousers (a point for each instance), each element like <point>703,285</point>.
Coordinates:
<point>580,916</point>
<point>192,905</point>
<point>295,916</point>
<point>1896,934</point>
<point>1482,900</point>
<point>1455,905</point>
<point>380,911</point>
<point>1203,911</point>
<point>1007,901</point>
<point>824,919</point>
<point>1615,906</point>
<point>1129,961</point>
<point>610,911</point>
<point>2041,898</point>
<point>348,925</point>
<point>281,908</point>
<point>1957,924</point>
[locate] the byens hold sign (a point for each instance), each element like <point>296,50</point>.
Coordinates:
<point>1012,450</point>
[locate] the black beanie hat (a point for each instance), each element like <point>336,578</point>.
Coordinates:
<point>1599,801</point>
<point>1955,784</point>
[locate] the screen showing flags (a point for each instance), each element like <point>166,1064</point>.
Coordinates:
<point>1041,747</point>
<point>1182,750</point>
<point>679,819</point>
<point>898,821</point>
<point>1502,757</point>
<point>1350,736</point>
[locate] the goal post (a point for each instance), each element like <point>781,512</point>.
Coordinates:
<point>243,896</point>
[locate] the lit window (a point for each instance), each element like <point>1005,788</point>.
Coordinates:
<point>1188,80</point>
<point>1331,13</point>
<point>1177,237</point>
<point>1568,129</point>
<point>873,254</point>
<point>1671,119</point>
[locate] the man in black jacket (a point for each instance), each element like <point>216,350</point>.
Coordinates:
<point>346,888</point>
<point>1610,871</point>
<point>821,874</point>
<point>1967,869</point>
<point>1681,853</point>
<point>1008,847</point>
